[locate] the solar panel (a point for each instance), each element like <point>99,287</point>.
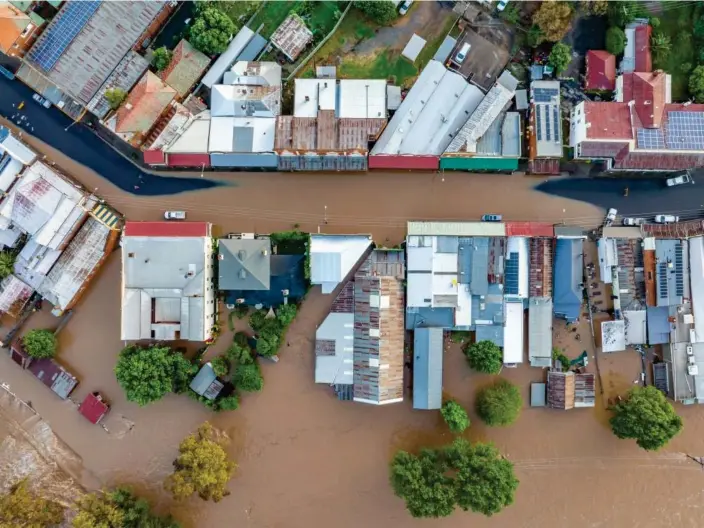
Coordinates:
<point>547,124</point>
<point>544,95</point>
<point>511,275</point>
<point>556,123</point>
<point>685,130</point>
<point>650,138</point>
<point>67,24</point>
<point>537,123</point>
<point>662,279</point>
<point>679,273</point>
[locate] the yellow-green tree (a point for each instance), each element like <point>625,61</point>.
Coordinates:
<point>554,19</point>
<point>202,467</point>
<point>20,506</point>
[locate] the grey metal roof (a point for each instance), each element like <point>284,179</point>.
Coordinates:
<point>445,48</point>
<point>511,135</point>
<point>479,279</point>
<point>252,50</point>
<point>522,99</point>
<point>234,50</point>
<point>540,331</point>
<point>570,232</point>
<point>205,383</point>
<point>164,263</point>
<point>429,318</point>
<point>447,244</point>
<point>244,264</point>
<point>243,139</point>
<point>490,143</point>
<point>567,277</point>
<point>658,325</point>
<point>492,333</point>
<point>334,349</point>
<point>427,368</point>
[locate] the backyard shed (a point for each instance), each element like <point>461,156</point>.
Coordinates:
<point>292,37</point>
<point>206,383</point>
<point>94,407</point>
<point>413,48</point>
<point>427,368</point>
<point>537,395</point>
<point>561,390</point>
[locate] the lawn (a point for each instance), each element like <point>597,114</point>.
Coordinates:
<point>320,17</point>
<point>271,15</point>
<point>240,11</point>
<point>677,23</point>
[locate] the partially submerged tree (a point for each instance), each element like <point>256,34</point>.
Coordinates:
<point>560,57</point>
<point>39,343</point>
<point>161,58</point>
<point>20,506</point>
<point>202,467</point>
<point>248,377</point>
<point>118,508</point>
<point>286,313</point>
<point>148,374</point>
<point>115,97</point>
<point>220,365</point>
<point>382,13</point>
<point>455,416</point>
<point>646,416</point>
<point>211,31</point>
<point>485,356</point>
<point>7,263</point>
<point>499,404</point>
<point>554,18</point>
<point>615,40</point>
<point>595,7</point>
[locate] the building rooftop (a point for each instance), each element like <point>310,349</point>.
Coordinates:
<point>362,98</point>
<point>427,368</point>
<point>286,274</point>
<point>244,263</point>
<point>228,57</point>
<point>334,341</point>
<point>325,133</point>
<point>186,67</point>
<point>147,101</point>
<point>245,100</point>
<point>242,134</point>
<point>671,266</point>
<point>125,75</point>
<point>13,22</point>
<point>540,331</point>
<point>546,116</point>
<point>561,390</point>
<point>601,70</point>
<point>613,336</point>
<point>567,294</point>
<point>413,48</point>
<point>246,72</point>
<point>333,257</point>
<point>292,37</point>
<point>14,294</point>
<point>206,383</point>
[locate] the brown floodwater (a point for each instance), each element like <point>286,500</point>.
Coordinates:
<point>306,459</point>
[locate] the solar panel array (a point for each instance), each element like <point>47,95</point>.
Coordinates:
<point>662,280</point>
<point>550,115</point>
<point>68,23</point>
<point>679,272</point>
<point>538,123</point>
<point>650,138</point>
<point>685,130</point>
<point>544,95</point>
<point>511,275</point>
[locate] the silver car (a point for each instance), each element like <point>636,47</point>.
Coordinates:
<point>175,215</point>
<point>666,219</point>
<point>630,221</point>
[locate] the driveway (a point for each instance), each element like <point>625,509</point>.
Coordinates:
<point>80,144</point>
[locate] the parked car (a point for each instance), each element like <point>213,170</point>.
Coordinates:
<point>44,102</point>
<point>501,5</point>
<point>462,53</point>
<point>681,179</point>
<point>666,219</point>
<point>610,216</point>
<point>491,218</point>
<point>175,215</point>
<point>630,221</point>
<point>405,7</point>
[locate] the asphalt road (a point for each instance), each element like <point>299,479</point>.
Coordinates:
<point>80,144</point>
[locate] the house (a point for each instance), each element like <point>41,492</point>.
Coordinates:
<point>81,47</point>
<point>125,75</point>
<point>14,295</point>
<point>333,257</point>
<point>427,368</point>
<point>18,30</point>
<point>292,37</point>
<point>246,46</point>
<point>206,383</point>
<point>637,56</point>
<point>567,281</point>
<point>146,103</point>
<point>186,67</point>
<point>545,142</point>
<point>561,390</point>
<point>167,281</point>
<point>94,407</point>
<point>601,70</point>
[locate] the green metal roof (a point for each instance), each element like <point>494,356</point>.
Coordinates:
<point>21,5</point>
<point>479,164</point>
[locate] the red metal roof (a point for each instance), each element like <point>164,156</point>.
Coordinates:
<point>644,59</point>
<point>608,120</point>
<point>188,160</point>
<point>529,229</point>
<point>544,166</point>
<point>154,157</point>
<point>601,70</point>
<point>669,161</point>
<point>404,162</point>
<point>167,229</point>
<point>93,407</point>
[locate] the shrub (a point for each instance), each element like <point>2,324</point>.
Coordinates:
<point>485,356</point>
<point>499,404</point>
<point>382,13</point>
<point>115,97</point>
<point>248,377</point>
<point>455,416</point>
<point>228,403</point>
<point>564,360</point>
<point>220,365</point>
<point>40,343</point>
<point>615,40</point>
<point>161,58</point>
<point>286,313</point>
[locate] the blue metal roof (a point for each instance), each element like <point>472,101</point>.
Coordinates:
<point>658,325</point>
<point>492,333</point>
<point>567,276</point>
<point>287,273</point>
<point>4,133</point>
<point>429,318</point>
<point>479,276</point>
<point>444,50</point>
<point>427,368</point>
<point>252,50</point>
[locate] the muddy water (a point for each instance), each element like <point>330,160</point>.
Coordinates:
<point>306,459</point>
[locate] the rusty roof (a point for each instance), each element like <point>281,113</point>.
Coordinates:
<point>292,36</point>
<point>325,132</point>
<point>561,390</point>
<point>186,67</point>
<point>540,278</point>
<point>145,104</point>
<point>12,23</point>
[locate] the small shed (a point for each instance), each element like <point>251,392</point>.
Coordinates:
<point>94,407</point>
<point>537,395</point>
<point>393,97</point>
<point>206,383</point>
<point>521,99</point>
<point>560,390</point>
<point>413,48</point>
<point>292,37</point>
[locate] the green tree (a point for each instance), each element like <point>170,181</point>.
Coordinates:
<point>40,343</point>
<point>554,18</point>
<point>484,481</point>
<point>115,97</point>
<point>661,45</point>
<point>595,7</point>
<point>646,416</point>
<point>512,13</point>
<point>615,40</point>
<point>7,263</point>
<point>382,13</point>
<point>229,403</point>
<point>118,508</point>
<point>20,506</point>
<point>698,29</point>
<point>221,366</point>
<point>286,313</point>
<point>621,13</point>
<point>485,356</point>
<point>161,58</point>
<point>560,57</point>
<point>267,345</point>
<point>211,31</point>
<point>534,36</point>
<point>148,374</point>
<point>202,467</point>
<point>455,416</point>
<point>238,354</point>
<point>248,377</point>
<point>499,404</point>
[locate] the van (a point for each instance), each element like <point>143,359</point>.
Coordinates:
<point>462,53</point>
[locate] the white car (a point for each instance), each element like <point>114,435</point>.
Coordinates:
<point>44,102</point>
<point>633,221</point>
<point>502,5</point>
<point>610,216</point>
<point>679,180</point>
<point>462,53</point>
<point>666,219</point>
<point>175,215</point>
<point>405,7</point>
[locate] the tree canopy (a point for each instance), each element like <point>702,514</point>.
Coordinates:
<point>7,263</point>
<point>39,343</point>
<point>661,45</point>
<point>161,58</point>
<point>554,18</point>
<point>248,377</point>
<point>560,57</point>
<point>20,506</point>
<point>455,416</point>
<point>499,404</point>
<point>474,477</point>
<point>221,365</point>
<point>696,84</point>
<point>286,313</point>
<point>380,12</point>
<point>115,97</point>
<point>646,416</point>
<point>118,508</point>
<point>485,356</point>
<point>595,7</point>
<point>202,467</point>
<point>211,31</point>
<point>148,374</point>
<point>621,13</point>
<point>615,40</point>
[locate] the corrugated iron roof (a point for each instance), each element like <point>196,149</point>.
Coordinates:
<point>463,229</point>
<point>427,368</point>
<point>530,229</point>
<point>186,67</point>
<point>601,70</point>
<point>167,229</point>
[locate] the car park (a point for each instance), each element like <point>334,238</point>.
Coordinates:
<point>491,218</point>
<point>680,179</point>
<point>175,215</point>
<point>630,221</point>
<point>666,219</point>
<point>44,102</point>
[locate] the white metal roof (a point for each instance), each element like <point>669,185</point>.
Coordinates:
<point>218,69</point>
<point>364,98</point>
<point>254,73</point>
<point>312,95</point>
<point>613,336</point>
<point>540,331</point>
<point>194,138</point>
<point>337,368</point>
<point>606,249</point>
<point>433,111</point>
<point>513,333</point>
<point>413,48</point>
<point>636,332</point>
<point>242,134</point>
<point>9,174</point>
<point>17,150</point>
<point>696,271</point>
<point>511,135</point>
<point>332,257</point>
<point>495,229</point>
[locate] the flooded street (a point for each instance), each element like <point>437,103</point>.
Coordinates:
<point>306,459</point>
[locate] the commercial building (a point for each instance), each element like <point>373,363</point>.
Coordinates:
<point>545,141</point>
<point>18,30</point>
<point>246,46</point>
<point>333,257</point>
